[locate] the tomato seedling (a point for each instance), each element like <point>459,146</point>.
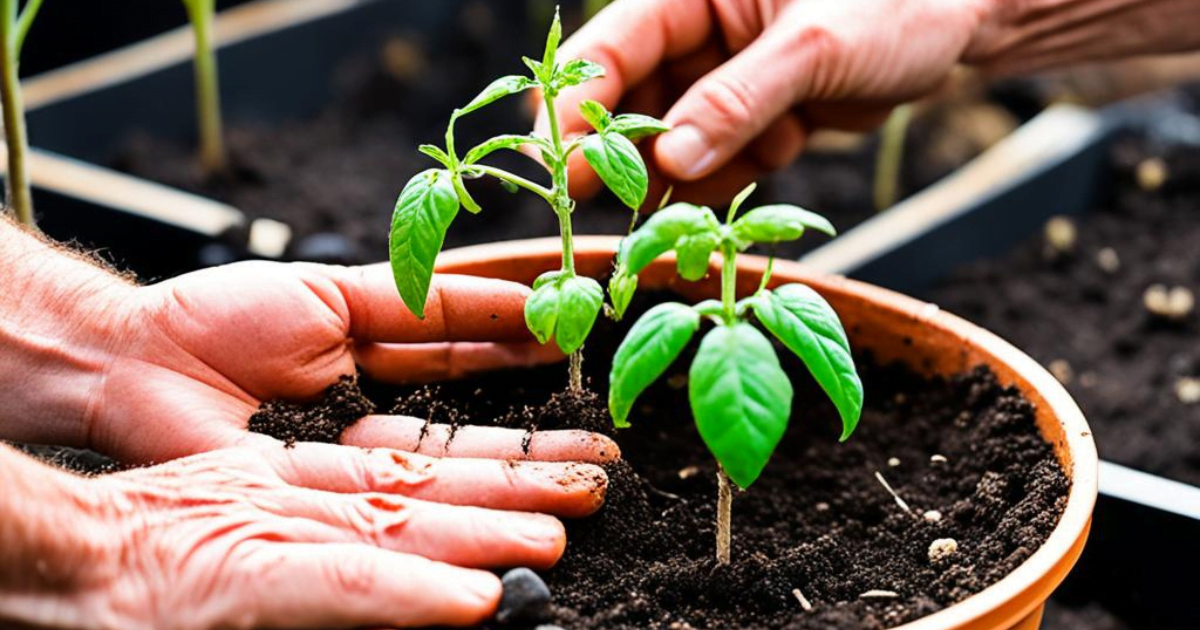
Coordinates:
<point>563,305</point>
<point>740,396</point>
<point>213,158</point>
<point>14,26</point>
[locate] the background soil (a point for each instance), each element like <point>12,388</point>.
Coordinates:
<point>817,519</point>
<point>341,171</point>
<point>1125,364</point>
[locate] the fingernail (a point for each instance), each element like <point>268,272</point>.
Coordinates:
<point>688,151</point>
<point>483,585</point>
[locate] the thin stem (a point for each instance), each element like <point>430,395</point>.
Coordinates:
<point>28,15</point>
<point>19,194</point>
<point>767,274</point>
<point>515,180</point>
<point>729,284</point>
<point>563,207</point>
<point>576,371</point>
<point>213,158</point>
<point>724,515</point>
<point>890,157</point>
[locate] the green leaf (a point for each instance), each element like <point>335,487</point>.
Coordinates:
<point>578,71</point>
<point>741,399</point>
<point>552,40</point>
<point>664,231</point>
<point>563,307</point>
<point>495,91</point>
<point>580,300</point>
<point>619,165</point>
<point>465,197</point>
<point>436,153</point>
<point>424,211</point>
<point>507,141</point>
<point>776,223</point>
<point>595,114</point>
<point>710,308</point>
<point>637,126</point>
<point>647,351</point>
<point>621,288</point>
<point>810,328</point>
<point>535,67</point>
<point>692,253</point>
<point>741,197</point>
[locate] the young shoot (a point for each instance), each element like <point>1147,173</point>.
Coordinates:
<point>213,158</point>
<point>890,156</point>
<point>740,396</point>
<point>563,305</point>
<point>14,26</point>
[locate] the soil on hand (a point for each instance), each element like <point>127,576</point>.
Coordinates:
<point>341,171</point>
<point>817,520</point>
<point>321,421</point>
<point>1083,313</point>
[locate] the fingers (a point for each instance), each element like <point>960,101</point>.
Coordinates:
<point>428,362</point>
<point>439,440</point>
<point>459,308</point>
<point>460,535</point>
<point>730,106</point>
<point>563,488</point>
<point>300,585</point>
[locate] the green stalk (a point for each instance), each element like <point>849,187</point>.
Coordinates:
<point>729,284</point>
<point>890,157</point>
<point>13,28</point>
<point>213,158</point>
<point>563,207</point>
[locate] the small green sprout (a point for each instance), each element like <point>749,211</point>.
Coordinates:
<point>563,305</point>
<point>213,158</point>
<point>14,26</point>
<point>890,156</point>
<point>740,396</point>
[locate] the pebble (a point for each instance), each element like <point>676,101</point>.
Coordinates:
<point>1151,174</point>
<point>1108,260</point>
<point>932,516</point>
<point>1060,235</point>
<point>1174,303</point>
<point>1187,390</point>
<point>937,459</point>
<point>893,461</point>
<point>689,472</point>
<point>327,247</point>
<point>942,548</point>
<point>526,598</point>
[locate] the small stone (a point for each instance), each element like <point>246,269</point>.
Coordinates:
<point>1187,390</point>
<point>932,516</point>
<point>942,548</point>
<point>526,598</point>
<point>1174,303</point>
<point>1108,260</point>
<point>329,248</point>
<point>1060,235</point>
<point>1151,174</point>
<point>1062,371</point>
<point>893,461</point>
<point>822,507</point>
<point>937,459</point>
<point>689,472</point>
<point>677,381</point>
<point>880,594</point>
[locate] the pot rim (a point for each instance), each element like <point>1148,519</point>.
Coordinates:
<point>1054,558</point>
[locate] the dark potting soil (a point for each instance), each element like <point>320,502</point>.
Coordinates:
<point>817,520</point>
<point>341,171</point>
<point>323,421</point>
<point>1129,369</point>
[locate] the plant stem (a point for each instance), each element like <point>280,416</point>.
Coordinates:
<point>890,157</point>
<point>729,284</point>
<point>213,158</point>
<point>563,207</point>
<point>575,372</point>
<point>515,180</point>
<point>19,194</point>
<point>724,515</point>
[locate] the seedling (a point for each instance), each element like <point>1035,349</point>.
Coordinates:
<point>14,26</point>
<point>890,157</point>
<point>740,396</point>
<point>563,305</point>
<point>213,158</point>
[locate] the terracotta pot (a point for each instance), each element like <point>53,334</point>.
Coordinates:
<point>895,328</point>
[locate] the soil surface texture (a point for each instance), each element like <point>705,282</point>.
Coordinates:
<point>1084,313</point>
<point>818,520</point>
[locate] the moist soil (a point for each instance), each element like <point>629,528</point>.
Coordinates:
<point>1128,368</point>
<point>817,520</point>
<point>341,171</point>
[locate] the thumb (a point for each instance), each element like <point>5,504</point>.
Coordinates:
<point>733,104</point>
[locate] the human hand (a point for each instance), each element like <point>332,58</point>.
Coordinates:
<point>317,536</point>
<point>200,353</point>
<point>744,83</point>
